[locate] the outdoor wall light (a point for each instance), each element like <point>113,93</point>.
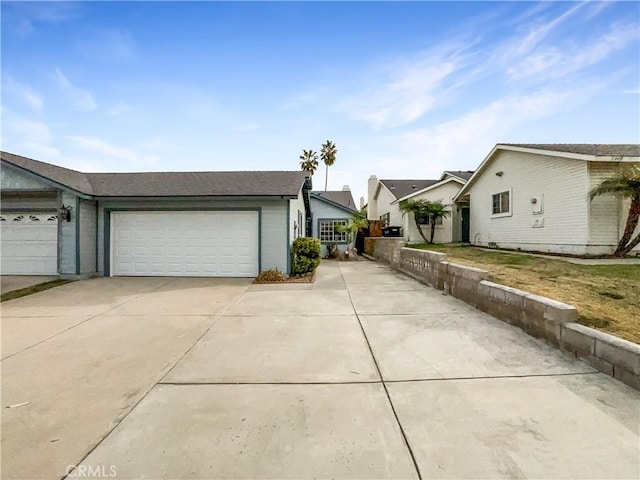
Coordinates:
<point>65,212</point>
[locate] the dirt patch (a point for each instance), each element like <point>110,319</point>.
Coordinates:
<point>310,278</point>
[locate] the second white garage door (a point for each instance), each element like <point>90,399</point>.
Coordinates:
<point>199,244</point>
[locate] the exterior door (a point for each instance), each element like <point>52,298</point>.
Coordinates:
<point>466,217</point>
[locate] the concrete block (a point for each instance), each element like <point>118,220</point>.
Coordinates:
<point>627,377</point>
<point>599,364</point>
<point>576,340</point>
<point>618,351</point>
<point>469,273</point>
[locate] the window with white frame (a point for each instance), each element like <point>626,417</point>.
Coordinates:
<point>328,232</point>
<point>386,219</point>
<point>426,220</point>
<point>501,203</point>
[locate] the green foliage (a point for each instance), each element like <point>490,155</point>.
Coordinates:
<point>271,275</point>
<point>309,161</point>
<point>624,184</point>
<point>424,209</point>
<point>305,255</point>
<point>358,220</point>
<point>328,155</point>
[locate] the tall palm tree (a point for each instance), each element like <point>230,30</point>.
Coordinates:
<point>624,184</point>
<point>424,209</point>
<point>328,156</point>
<point>309,161</point>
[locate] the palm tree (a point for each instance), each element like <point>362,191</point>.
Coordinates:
<point>328,156</point>
<point>436,211</point>
<point>419,209</point>
<point>624,184</point>
<point>309,161</point>
<point>424,209</point>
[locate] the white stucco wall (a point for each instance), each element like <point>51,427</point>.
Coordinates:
<point>560,184</point>
<point>444,233</point>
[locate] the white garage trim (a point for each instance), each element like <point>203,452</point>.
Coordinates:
<point>218,243</point>
<point>29,244</point>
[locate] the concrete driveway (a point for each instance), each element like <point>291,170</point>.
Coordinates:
<point>364,374</point>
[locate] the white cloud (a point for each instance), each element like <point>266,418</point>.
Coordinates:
<point>81,98</point>
<point>555,62</point>
<point>24,93</point>
<point>21,18</point>
<point>111,154</point>
<point>27,137</point>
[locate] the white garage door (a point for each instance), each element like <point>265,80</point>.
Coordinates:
<point>29,244</point>
<point>202,244</point>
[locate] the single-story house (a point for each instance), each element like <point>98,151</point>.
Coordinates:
<point>535,197</point>
<point>452,228</point>
<point>330,209</point>
<point>55,220</point>
<point>384,197</point>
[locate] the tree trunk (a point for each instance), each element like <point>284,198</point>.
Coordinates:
<point>326,178</point>
<point>420,230</point>
<point>433,229</point>
<point>624,246</point>
<point>632,244</point>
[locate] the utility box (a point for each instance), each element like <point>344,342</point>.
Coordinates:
<point>392,232</point>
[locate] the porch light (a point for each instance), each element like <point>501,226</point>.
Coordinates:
<point>65,212</point>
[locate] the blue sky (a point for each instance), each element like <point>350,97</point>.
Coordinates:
<point>405,90</point>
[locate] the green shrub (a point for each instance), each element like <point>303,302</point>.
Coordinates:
<point>271,275</point>
<point>305,255</point>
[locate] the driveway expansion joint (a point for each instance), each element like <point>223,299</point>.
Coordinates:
<point>384,386</point>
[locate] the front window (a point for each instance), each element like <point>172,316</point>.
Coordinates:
<point>425,219</point>
<point>328,233</point>
<point>500,203</point>
<point>385,219</point>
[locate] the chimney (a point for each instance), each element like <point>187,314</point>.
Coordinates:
<point>361,203</point>
<point>372,208</point>
<point>345,188</point>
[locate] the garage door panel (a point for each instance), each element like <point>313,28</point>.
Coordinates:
<point>185,243</point>
<point>29,244</point>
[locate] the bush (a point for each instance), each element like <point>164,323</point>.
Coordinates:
<point>305,255</point>
<point>271,275</point>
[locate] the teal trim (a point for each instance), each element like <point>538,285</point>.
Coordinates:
<point>106,241</point>
<point>332,220</point>
<point>107,225</point>
<point>259,239</point>
<point>288,236</point>
<point>97,234</point>
<point>77,220</point>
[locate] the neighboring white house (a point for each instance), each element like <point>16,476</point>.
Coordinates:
<point>382,195</point>
<point>536,197</point>
<point>328,210</point>
<point>455,226</point>
<point>385,197</point>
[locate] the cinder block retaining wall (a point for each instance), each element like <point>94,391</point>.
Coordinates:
<point>541,317</point>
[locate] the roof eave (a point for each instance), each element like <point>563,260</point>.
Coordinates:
<point>452,178</point>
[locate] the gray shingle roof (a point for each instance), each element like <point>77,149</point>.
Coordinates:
<point>625,150</point>
<point>401,188</point>
<point>463,174</point>
<point>166,184</point>
<point>64,176</point>
<point>341,197</point>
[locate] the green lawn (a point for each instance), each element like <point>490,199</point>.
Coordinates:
<point>607,296</point>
